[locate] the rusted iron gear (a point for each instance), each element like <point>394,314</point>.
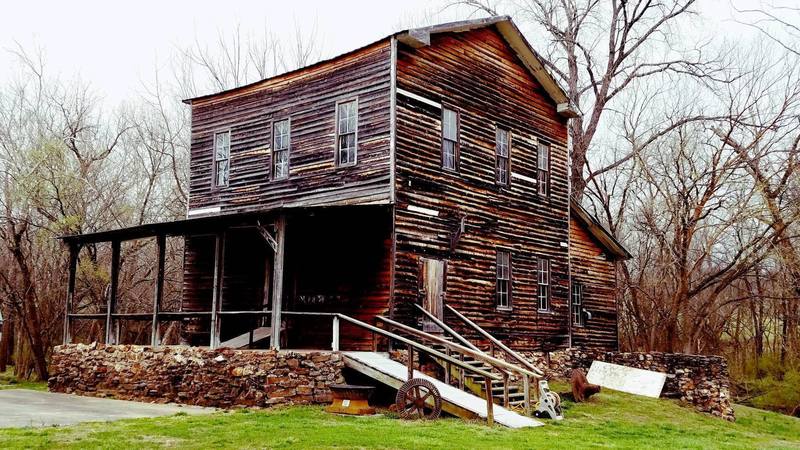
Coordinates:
<point>418,399</point>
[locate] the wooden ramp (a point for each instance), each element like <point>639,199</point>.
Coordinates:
<point>379,367</point>
<point>243,340</point>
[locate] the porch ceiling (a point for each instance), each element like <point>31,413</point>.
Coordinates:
<point>184,227</point>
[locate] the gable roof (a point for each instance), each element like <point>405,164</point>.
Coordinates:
<point>420,37</point>
<point>603,236</point>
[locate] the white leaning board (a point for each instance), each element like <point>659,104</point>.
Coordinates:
<point>627,379</point>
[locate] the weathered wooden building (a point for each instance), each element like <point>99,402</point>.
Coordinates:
<point>428,168</point>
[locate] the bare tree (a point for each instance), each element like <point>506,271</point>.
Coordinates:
<point>598,50</point>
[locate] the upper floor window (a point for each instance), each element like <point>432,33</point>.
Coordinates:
<point>543,165</point>
<point>503,290</point>
<point>346,132</point>
<point>280,149</point>
<point>544,284</point>
<point>450,126</point>
<point>577,304</point>
<point>502,149</point>
<point>222,158</point>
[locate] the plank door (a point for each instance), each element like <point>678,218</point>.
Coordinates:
<point>433,289</point>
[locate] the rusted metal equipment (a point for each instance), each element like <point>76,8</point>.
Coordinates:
<point>549,406</point>
<point>581,388</point>
<point>418,399</point>
<point>351,399</point>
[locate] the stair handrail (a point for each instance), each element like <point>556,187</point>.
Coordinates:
<point>498,343</point>
<point>446,328</point>
<point>476,354</point>
<point>418,346</point>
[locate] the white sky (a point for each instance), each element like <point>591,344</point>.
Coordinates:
<point>115,45</point>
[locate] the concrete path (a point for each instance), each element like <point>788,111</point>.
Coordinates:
<point>25,408</point>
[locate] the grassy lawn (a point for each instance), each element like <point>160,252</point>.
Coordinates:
<point>609,420</point>
<point>9,381</point>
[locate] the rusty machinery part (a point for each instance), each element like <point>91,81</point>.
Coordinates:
<point>581,388</point>
<point>418,399</point>
<point>549,406</point>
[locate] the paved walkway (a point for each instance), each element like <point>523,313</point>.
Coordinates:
<point>25,408</point>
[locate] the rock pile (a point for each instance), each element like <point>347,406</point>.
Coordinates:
<point>196,376</point>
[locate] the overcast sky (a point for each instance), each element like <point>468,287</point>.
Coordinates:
<point>115,45</point>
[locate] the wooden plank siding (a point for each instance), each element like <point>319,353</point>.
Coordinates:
<point>308,98</point>
<point>477,74</point>
<point>597,273</point>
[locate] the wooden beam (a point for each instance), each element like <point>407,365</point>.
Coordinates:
<point>74,250</point>
<point>216,298</point>
<point>111,336</point>
<point>161,243</point>
<point>277,280</point>
<point>271,241</point>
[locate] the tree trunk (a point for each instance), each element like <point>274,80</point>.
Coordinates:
<point>6,344</point>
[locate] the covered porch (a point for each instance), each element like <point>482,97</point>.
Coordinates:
<point>319,262</point>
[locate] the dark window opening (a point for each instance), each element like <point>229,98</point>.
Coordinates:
<point>346,133</point>
<point>503,152</point>
<point>503,279</point>
<point>577,304</point>
<point>543,165</point>
<point>544,284</point>
<point>280,149</point>
<point>450,125</point>
<point>222,158</point>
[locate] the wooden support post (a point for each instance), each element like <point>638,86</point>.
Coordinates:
<point>447,367</point>
<point>277,280</point>
<point>161,244</point>
<point>505,389</point>
<point>410,362</point>
<point>335,343</point>
<point>74,249</point>
<point>461,374</point>
<point>491,349</point>
<point>526,386</point>
<point>489,402</point>
<point>111,305</point>
<point>216,298</point>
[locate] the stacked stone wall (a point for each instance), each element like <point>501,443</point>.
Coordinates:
<point>197,376</point>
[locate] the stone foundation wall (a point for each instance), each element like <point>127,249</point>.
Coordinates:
<point>697,380</point>
<point>196,376</point>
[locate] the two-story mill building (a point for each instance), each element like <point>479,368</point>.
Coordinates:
<point>428,168</point>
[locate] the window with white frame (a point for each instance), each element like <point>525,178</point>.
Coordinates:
<point>577,304</point>
<point>346,132</point>
<point>450,133</point>
<point>222,158</point>
<point>543,165</point>
<point>544,284</point>
<point>503,151</point>
<point>280,149</point>
<point>503,279</point>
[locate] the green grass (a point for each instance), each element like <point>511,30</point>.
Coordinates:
<point>609,420</point>
<point>9,381</point>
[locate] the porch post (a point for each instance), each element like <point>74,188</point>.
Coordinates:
<point>73,262</point>
<point>111,336</point>
<point>216,299</point>
<point>277,280</point>
<point>161,241</point>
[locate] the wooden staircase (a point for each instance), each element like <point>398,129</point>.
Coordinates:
<point>514,398</point>
<point>510,384</point>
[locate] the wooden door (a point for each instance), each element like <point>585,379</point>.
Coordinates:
<point>433,289</point>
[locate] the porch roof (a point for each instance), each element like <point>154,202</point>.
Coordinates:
<point>183,227</point>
